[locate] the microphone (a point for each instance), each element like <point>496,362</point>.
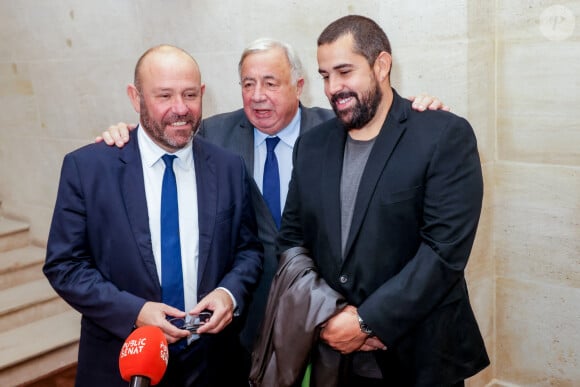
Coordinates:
<point>144,356</point>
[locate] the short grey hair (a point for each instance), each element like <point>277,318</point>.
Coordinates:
<point>267,44</point>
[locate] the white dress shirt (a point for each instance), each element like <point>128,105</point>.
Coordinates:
<point>153,169</point>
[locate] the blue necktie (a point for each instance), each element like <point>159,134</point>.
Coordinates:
<point>271,182</point>
<point>171,273</point>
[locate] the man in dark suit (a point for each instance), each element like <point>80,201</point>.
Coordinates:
<point>387,201</point>
<point>271,79</point>
<point>107,248</point>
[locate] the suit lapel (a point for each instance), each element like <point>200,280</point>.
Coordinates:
<point>331,173</point>
<point>243,143</point>
<point>133,191</point>
<point>385,143</point>
<point>205,177</point>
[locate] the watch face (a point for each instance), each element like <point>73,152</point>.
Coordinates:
<point>364,327</point>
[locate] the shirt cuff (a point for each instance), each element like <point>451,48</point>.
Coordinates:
<point>236,311</point>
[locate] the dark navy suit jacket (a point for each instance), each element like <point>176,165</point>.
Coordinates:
<point>99,254</point>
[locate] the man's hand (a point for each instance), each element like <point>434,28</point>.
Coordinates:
<point>425,101</point>
<point>156,313</point>
<point>373,344</point>
<point>342,332</point>
<point>116,134</point>
<point>222,306</point>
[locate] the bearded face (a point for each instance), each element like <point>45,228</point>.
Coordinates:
<point>364,109</point>
<point>168,94</point>
<point>171,131</point>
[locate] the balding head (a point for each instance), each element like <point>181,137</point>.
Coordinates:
<point>167,94</point>
<point>163,52</point>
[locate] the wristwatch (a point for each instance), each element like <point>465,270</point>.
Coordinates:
<point>364,328</point>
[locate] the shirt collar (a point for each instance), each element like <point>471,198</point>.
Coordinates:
<point>152,153</point>
<point>288,135</point>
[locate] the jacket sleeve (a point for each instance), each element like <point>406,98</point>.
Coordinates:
<point>451,209</point>
<point>71,267</point>
<point>243,276</point>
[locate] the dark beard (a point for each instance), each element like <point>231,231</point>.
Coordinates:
<point>363,111</point>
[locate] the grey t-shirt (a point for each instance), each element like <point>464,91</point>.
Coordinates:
<point>356,155</point>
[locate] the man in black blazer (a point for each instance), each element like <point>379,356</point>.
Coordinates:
<point>387,201</point>
<point>271,79</point>
<point>104,256</point>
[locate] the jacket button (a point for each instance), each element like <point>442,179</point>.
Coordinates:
<point>343,279</point>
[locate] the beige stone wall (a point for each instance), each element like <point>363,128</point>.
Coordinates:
<point>537,201</point>
<point>507,66</point>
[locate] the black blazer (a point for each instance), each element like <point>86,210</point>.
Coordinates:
<point>414,223</point>
<point>234,132</point>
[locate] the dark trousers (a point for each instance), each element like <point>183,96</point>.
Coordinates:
<point>359,381</point>
<point>207,363</point>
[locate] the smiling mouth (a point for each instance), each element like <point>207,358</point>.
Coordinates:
<point>343,101</point>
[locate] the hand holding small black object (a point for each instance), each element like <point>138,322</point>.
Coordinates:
<point>193,323</point>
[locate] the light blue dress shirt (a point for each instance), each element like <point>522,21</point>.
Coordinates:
<point>283,151</point>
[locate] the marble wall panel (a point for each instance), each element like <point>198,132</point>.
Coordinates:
<point>538,115</point>
<point>420,68</point>
<point>80,98</point>
<point>17,99</point>
<point>537,333</point>
<point>537,226</point>
<point>222,83</point>
<point>480,96</point>
<point>65,29</point>
<point>197,26</point>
